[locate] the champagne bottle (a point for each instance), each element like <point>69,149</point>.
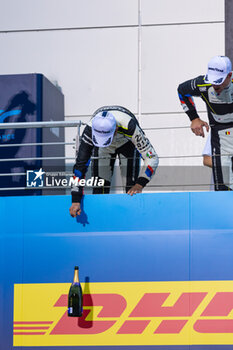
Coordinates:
<point>75,297</point>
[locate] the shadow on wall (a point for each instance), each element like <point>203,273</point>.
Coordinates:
<point>82,218</point>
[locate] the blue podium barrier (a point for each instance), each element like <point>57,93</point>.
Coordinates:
<point>164,259</point>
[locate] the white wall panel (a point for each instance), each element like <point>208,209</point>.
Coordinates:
<point>45,14</point>
<point>171,55</point>
<point>171,136</point>
<point>96,67</point>
<point>181,11</point>
<point>93,67</point>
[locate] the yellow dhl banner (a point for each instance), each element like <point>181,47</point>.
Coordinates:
<point>125,313</point>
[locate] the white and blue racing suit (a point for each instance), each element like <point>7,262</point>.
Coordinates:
<point>129,144</point>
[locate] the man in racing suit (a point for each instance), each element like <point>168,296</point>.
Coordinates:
<point>216,90</point>
<point>113,131</point>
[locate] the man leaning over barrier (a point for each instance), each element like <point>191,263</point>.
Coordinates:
<point>113,131</point>
<point>216,90</point>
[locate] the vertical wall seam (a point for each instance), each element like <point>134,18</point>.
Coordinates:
<point>139,102</point>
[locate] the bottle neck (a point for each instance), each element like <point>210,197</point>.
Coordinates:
<point>76,276</point>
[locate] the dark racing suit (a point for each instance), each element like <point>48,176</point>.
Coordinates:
<point>220,114</point>
<point>129,143</point>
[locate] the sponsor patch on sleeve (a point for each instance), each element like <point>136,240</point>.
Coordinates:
<point>149,171</point>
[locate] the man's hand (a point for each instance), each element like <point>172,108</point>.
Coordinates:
<point>75,209</point>
<point>197,127</point>
<point>135,189</point>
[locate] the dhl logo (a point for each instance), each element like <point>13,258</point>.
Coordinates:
<point>125,313</point>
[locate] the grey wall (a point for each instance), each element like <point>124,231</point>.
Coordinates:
<point>229,29</point>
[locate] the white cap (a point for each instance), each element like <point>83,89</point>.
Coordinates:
<point>218,68</point>
<point>103,128</point>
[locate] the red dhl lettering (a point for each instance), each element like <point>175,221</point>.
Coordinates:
<point>220,305</point>
<point>113,306</point>
<point>149,306</point>
<point>126,313</point>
